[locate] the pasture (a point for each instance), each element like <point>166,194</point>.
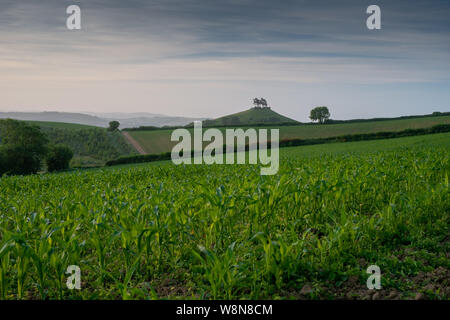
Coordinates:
<point>158,141</point>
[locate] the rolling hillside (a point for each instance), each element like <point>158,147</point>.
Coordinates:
<point>250,117</point>
<point>158,141</point>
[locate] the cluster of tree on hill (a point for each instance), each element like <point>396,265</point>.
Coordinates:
<point>260,103</point>
<point>25,147</point>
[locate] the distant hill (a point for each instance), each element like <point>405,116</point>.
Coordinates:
<point>51,116</point>
<point>251,116</point>
<point>127,120</point>
<point>62,125</point>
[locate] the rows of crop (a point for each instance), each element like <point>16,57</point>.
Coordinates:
<point>222,231</point>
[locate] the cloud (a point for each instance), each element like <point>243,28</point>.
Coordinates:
<point>211,43</point>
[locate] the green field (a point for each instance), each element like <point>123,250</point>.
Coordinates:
<point>162,231</point>
<point>158,141</point>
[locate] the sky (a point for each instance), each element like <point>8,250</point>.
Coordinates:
<point>207,58</point>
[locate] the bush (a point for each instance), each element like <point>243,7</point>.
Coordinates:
<point>58,158</point>
<point>3,164</point>
<point>18,159</point>
<point>23,147</point>
<point>113,126</point>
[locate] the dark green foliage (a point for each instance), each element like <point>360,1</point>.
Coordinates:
<point>18,159</point>
<point>140,159</point>
<point>19,133</point>
<point>58,158</point>
<point>23,147</point>
<point>149,128</point>
<point>3,161</point>
<point>320,114</point>
<point>113,126</point>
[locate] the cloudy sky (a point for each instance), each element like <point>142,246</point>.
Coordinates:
<point>209,58</point>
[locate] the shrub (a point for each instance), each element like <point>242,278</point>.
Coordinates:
<point>23,147</point>
<point>113,126</point>
<point>58,158</point>
<point>18,159</point>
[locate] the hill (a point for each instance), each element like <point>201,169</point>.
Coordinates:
<point>50,116</point>
<point>127,120</point>
<point>251,116</point>
<point>158,141</point>
<point>61,125</point>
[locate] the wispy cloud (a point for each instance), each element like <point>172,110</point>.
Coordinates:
<point>211,42</point>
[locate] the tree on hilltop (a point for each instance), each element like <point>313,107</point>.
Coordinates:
<point>320,114</point>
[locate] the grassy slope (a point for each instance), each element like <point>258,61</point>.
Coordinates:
<point>158,141</point>
<point>250,116</point>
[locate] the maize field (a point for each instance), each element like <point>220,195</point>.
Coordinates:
<point>162,231</point>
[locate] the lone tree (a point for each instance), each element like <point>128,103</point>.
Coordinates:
<point>113,125</point>
<point>320,114</point>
